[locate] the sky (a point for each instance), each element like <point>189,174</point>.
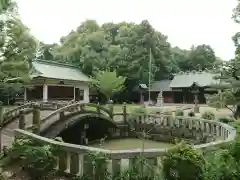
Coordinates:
<point>185,22</point>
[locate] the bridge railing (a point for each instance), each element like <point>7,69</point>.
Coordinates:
<point>8,116</point>
<point>74,159</point>
<point>74,109</point>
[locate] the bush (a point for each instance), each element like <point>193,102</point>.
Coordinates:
<point>183,162</point>
<point>179,112</point>
<point>191,114</point>
<point>208,115</point>
<point>226,119</point>
<point>221,166</point>
<point>37,159</point>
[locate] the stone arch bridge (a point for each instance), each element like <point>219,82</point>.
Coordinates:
<point>49,119</point>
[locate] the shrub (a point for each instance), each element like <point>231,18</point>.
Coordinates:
<point>226,119</point>
<point>37,159</point>
<point>208,115</point>
<point>183,162</point>
<point>191,114</point>
<point>179,112</point>
<point>221,165</point>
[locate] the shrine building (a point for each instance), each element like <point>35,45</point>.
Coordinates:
<point>184,86</point>
<point>52,81</point>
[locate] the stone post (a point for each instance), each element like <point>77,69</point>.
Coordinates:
<point>196,106</point>
<point>1,122</point>
<point>22,119</point>
<point>111,108</point>
<point>124,112</point>
<point>36,118</point>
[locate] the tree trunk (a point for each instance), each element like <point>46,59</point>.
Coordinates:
<point>237,112</point>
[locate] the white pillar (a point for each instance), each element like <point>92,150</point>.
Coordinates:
<point>45,93</point>
<point>25,94</point>
<point>86,95</point>
<point>74,98</point>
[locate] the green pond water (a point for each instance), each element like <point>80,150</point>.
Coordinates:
<point>131,143</point>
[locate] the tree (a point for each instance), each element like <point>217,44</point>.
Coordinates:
<point>108,83</point>
<point>123,47</point>
<point>197,58</point>
<point>17,45</point>
<point>229,75</point>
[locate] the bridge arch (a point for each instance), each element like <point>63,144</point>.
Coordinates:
<point>90,125</point>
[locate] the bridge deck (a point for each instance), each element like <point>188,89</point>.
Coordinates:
<point>8,131</point>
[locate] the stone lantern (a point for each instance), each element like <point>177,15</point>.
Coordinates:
<point>160,99</point>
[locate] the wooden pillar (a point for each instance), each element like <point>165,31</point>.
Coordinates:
<point>45,92</point>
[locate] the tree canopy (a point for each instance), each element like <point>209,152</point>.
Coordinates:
<point>126,47</point>
<point>17,45</point>
<point>229,75</point>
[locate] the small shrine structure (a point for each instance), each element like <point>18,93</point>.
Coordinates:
<point>52,81</point>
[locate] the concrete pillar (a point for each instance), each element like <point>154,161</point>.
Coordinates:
<point>25,94</point>
<point>74,91</point>
<point>45,92</point>
<point>86,95</point>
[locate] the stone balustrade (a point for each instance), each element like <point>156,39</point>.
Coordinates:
<point>74,159</point>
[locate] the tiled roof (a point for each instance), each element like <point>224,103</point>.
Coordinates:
<point>201,79</point>
<point>53,70</point>
<point>163,85</point>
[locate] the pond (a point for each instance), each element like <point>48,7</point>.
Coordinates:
<point>131,143</point>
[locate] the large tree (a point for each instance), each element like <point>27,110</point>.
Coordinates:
<point>229,75</point>
<point>17,48</point>
<point>124,47</point>
<point>17,45</point>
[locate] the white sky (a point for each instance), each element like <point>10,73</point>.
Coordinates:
<point>185,22</point>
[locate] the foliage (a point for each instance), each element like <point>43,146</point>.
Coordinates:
<point>108,83</point>
<point>229,76</point>
<point>191,114</point>
<point>17,47</point>
<point>208,115</point>
<point>221,166</point>
<point>100,168</point>
<point>226,119</point>
<point>183,162</point>
<point>179,112</point>
<point>39,160</point>
<point>126,48</point>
